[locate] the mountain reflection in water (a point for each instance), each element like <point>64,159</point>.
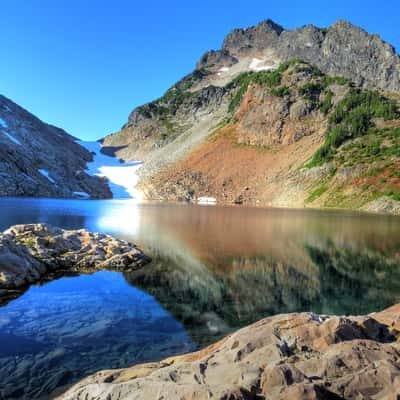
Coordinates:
<point>214,269</point>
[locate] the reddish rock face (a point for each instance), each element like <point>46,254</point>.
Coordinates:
<point>292,356</point>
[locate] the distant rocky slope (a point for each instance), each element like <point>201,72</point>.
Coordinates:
<point>289,356</point>
<point>32,252</point>
<point>40,160</point>
<point>263,121</point>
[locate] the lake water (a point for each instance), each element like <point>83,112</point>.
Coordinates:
<point>214,270</point>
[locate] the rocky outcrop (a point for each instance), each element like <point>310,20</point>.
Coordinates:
<point>243,42</point>
<point>29,253</point>
<point>341,49</point>
<point>40,160</point>
<point>166,129</point>
<point>291,356</point>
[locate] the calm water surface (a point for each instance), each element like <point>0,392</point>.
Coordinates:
<point>214,270</point>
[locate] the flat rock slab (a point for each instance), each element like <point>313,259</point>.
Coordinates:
<point>293,356</point>
<point>29,253</point>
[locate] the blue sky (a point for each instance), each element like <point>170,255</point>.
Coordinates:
<point>83,65</point>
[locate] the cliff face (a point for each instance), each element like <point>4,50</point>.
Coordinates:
<point>341,49</point>
<point>40,160</point>
<point>242,127</point>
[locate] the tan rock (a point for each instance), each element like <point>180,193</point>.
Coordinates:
<point>31,252</point>
<point>293,356</point>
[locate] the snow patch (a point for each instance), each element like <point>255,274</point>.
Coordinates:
<point>46,174</point>
<point>82,195</point>
<point>222,70</point>
<point>206,200</point>
<point>3,123</point>
<point>122,176</point>
<point>261,65</point>
<point>12,138</point>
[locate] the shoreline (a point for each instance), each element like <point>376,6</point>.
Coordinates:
<point>286,356</point>
<point>34,253</point>
<point>228,205</point>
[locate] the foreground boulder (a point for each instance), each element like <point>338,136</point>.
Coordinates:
<point>31,252</point>
<point>292,356</point>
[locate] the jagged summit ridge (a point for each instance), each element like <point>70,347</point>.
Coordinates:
<point>256,37</point>
<point>341,49</point>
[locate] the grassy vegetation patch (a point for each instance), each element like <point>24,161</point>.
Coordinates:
<point>317,192</point>
<point>376,145</point>
<point>310,89</point>
<point>335,80</point>
<point>352,118</point>
<point>326,104</point>
<point>281,91</point>
<point>242,81</point>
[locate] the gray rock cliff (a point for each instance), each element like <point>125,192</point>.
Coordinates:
<point>40,160</point>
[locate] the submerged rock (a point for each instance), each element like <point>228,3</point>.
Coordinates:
<point>290,356</point>
<point>31,252</point>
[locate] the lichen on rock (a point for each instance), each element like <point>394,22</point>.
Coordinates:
<point>29,253</point>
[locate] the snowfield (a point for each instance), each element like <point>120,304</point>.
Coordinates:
<point>82,195</point>
<point>261,65</point>
<point>46,174</point>
<point>122,176</point>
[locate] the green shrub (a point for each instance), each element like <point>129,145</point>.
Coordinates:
<point>351,118</point>
<point>266,78</point>
<point>280,92</point>
<point>317,192</point>
<point>339,80</point>
<point>311,69</point>
<point>326,104</point>
<point>286,65</point>
<point>367,102</point>
<point>311,89</point>
<point>392,194</point>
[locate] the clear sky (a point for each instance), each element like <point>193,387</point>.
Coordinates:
<point>83,65</point>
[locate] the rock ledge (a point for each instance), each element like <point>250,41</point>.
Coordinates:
<point>29,253</point>
<point>292,356</point>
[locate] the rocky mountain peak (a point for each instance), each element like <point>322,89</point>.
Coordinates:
<point>341,49</point>
<point>240,41</point>
<point>277,92</point>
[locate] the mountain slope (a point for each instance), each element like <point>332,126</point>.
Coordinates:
<point>40,160</point>
<point>242,127</point>
<point>288,144</point>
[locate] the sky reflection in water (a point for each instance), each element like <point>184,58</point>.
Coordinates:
<point>215,269</point>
